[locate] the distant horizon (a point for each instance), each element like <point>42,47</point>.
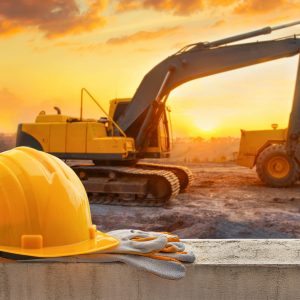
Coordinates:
<point>175,137</point>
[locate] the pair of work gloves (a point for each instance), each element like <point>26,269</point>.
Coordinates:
<point>159,253</point>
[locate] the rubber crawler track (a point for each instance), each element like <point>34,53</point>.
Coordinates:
<point>184,182</point>
<point>111,199</point>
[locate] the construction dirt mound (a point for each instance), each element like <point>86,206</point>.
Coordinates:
<point>224,201</point>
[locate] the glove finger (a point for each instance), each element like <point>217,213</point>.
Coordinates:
<point>132,233</point>
<point>160,257</point>
<point>152,245</point>
<point>187,256</point>
<point>174,247</point>
<point>143,239</point>
<point>132,247</point>
<point>171,237</point>
<point>139,235</point>
<point>123,234</point>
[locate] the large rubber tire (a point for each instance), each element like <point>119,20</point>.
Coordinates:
<point>275,168</point>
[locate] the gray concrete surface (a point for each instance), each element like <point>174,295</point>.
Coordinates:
<point>225,269</point>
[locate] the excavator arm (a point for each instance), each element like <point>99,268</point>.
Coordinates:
<point>293,134</point>
<point>192,62</point>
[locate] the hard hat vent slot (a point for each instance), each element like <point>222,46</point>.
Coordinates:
<point>32,241</point>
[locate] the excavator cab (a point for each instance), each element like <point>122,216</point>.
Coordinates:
<point>158,145</point>
<point>99,140</point>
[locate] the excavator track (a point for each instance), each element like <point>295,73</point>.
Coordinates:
<point>128,186</point>
<point>184,175</point>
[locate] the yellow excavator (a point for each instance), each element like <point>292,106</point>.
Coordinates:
<point>139,127</point>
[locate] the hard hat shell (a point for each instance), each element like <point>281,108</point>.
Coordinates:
<point>44,209</point>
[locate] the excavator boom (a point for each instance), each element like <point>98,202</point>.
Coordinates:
<point>196,61</point>
<point>293,133</point>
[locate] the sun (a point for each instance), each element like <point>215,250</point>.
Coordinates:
<point>205,126</point>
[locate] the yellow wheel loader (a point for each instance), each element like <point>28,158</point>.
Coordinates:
<point>267,151</point>
<point>138,128</point>
<point>276,152</point>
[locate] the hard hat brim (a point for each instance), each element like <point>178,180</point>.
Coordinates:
<point>101,242</point>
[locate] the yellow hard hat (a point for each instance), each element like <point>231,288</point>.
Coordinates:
<point>44,209</point>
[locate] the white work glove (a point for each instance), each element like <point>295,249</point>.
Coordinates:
<point>156,245</point>
<point>136,241</point>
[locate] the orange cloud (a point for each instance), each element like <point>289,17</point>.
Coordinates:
<point>177,7</point>
<point>142,35</point>
<point>218,23</point>
<point>221,2</point>
<point>265,6</point>
<point>8,27</point>
<point>122,40</point>
<point>54,18</point>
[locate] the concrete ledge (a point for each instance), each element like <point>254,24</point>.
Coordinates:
<point>225,269</point>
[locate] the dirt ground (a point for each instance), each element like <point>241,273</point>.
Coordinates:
<point>224,201</point>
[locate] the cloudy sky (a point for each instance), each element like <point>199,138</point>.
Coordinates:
<point>50,49</point>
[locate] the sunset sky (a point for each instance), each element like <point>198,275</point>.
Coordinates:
<point>50,49</point>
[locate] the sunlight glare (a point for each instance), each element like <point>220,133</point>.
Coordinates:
<point>206,126</point>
